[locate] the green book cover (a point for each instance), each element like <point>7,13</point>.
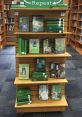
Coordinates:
<point>43,92</point>
<point>19,45</point>
<point>56,91</point>
<point>24,24</point>
<point>40,64</point>
<point>34,46</point>
<point>60,45</point>
<point>47,46</point>
<point>23,47</point>
<point>38,23</point>
<point>26,46</point>
<point>24,71</point>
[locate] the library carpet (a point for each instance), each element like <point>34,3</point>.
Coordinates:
<point>8,90</point>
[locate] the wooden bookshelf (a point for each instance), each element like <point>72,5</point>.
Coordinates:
<point>38,105</point>
<point>9,23</point>
<point>75,38</point>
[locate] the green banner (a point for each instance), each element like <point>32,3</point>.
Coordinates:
<point>39,4</point>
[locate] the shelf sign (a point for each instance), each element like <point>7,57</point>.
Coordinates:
<point>38,3</point>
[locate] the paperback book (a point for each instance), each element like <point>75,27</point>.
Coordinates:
<point>24,71</point>
<point>40,64</point>
<point>60,45</point>
<point>24,24</point>
<point>38,23</point>
<point>56,91</point>
<point>43,92</point>
<point>57,70</point>
<point>47,46</point>
<point>34,46</point>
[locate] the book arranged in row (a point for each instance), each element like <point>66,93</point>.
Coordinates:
<point>46,46</point>
<point>39,24</point>
<point>54,92</point>
<point>56,71</point>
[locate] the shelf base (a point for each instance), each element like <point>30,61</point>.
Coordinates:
<point>43,106</point>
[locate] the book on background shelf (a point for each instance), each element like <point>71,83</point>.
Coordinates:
<point>56,91</point>
<point>24,24</point>
<point>34,46</point>
<point>60,45</point>
<point>22,46</point>
<point>38,23</point>
<point>57,70</point>
<point>55,25</point>
<point>24,96</point>
<point>43,92</point>
<point>40,64</point>
<point>24,71</point>
<point>47,46</point>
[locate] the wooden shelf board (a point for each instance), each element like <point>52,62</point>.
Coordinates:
<point>10,43</point>
<point>39,9</point>
<point>44,55</point>
<point>50,81</point>
<point>40,104</point>
<point>40,33</point>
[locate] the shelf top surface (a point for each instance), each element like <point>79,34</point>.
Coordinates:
<point>49,103</point>
<point>66,54</point>
<point>50,81</point>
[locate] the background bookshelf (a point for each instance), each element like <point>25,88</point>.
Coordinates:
<point>75,25</point>
<point>38,105</point>
<point>2,25</point>
<point>9,23</point>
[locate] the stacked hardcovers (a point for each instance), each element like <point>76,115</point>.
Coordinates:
<point>55,25</point>
<point>22,46</point>
<point>24,96</point>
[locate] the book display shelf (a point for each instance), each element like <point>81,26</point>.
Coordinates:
<point>9,23</point>
<point>40,56</point>
<point>2,25</point>
<point>75,25</point>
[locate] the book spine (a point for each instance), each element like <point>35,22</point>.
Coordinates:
<point>19,45</point>
<point>25,46</point>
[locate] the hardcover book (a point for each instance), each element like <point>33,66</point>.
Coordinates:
<point>38,23</point>
<point>24,24</point>
<point>60,45</point>
<point>24,71</point>
<point>43,92</point>
<point>34,46</point>
<point>56,91</point>
<point>40,64</point>
<point>57,70</point>
<point>47,46</point>
<point>24,96</point>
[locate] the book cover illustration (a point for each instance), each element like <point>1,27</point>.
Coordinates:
<point>47,46</point>
<point>24,71</point>
<point>24,96</point>
<point>40,64</point>
<point>34,46</point>
<point>43,92</point>
<point>56,91</point>
<point>59,45</point>
<point>24,24</point>
<point>57,70</point>
<point>38,24</point>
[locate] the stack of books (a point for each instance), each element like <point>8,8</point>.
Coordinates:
<point>22,46</point>
<point>55,25</point>
<point>24,96</point>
